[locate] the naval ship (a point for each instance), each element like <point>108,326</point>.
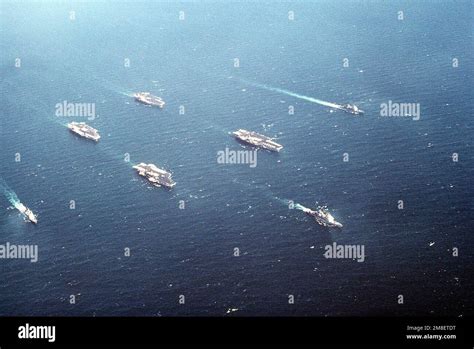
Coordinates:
<point>155,175</point>
<point>350,108</point>
<point>84,130</point>
<point>257,140</point>
<point>148,99</point>
<point>323,217</point>
<point>27,213</point>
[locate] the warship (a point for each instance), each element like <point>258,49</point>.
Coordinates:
<point>256,139</point>
<point>156,176</point>
<point>84,130</point>
<point>323,217</point>
<point>148,99</point>
<point>27,213</point>
<point>350,108</point>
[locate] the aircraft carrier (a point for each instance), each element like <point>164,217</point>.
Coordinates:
<point>156,176</point>
<point>148,99</point>
<point>323,217</point>
<point>257,140</point>
<point>84,130</point>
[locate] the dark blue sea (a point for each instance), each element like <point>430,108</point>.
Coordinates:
<point>191,63</point>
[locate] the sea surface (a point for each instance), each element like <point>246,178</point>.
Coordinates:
<point>191,63</point>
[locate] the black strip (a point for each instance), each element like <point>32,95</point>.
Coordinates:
<point>132,330</point>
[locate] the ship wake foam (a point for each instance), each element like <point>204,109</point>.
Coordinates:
<point>9,194</point>
<point>300,207</point>
<point>291,94</point>
<point>265,189</point>
<point>287,202</point>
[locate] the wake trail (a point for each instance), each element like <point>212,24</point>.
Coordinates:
<point>300,207</point>
<point>291,94</point>
<point>287,202</point>
<point>9,193</point>
<point>265,189</point>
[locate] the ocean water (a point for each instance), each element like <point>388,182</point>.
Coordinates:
<point>190,251</point>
